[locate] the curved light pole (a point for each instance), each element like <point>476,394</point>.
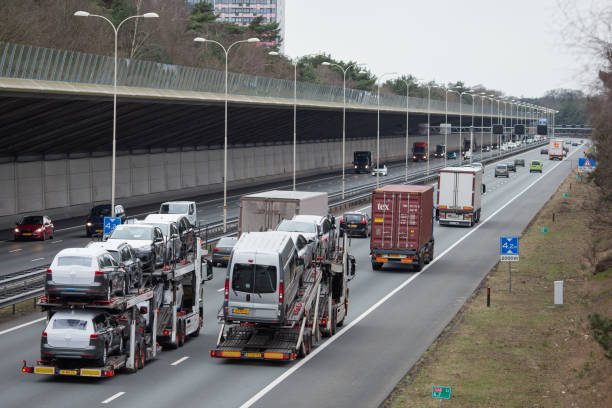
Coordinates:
<point>378,124</point>
<point>429,119</point>
<point>116,31</point>
<point>295,64</point>
<point>226,51</point>
<point>344,71</point>
<point>461,122</point>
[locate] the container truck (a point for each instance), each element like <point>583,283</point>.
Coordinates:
<point>460,192</point>
<point>280,309</point>
<point>402,226</point>
<point>362,161</point>
<point>419,151</point>
<point>555,149</point>
<point>264,211</point>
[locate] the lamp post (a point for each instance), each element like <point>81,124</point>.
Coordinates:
<point>378,125</point>
<point>344,71</point>
<point>226,51</point>
<point>116,31</point>
<point>407,128</point>
<point>428,120</point>
<point>295,64</point>
<point>461,122</point>
<point>446,121</point>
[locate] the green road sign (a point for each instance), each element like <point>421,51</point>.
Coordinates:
<point>440,392</point>
<point>543,229</point>
<point>565,194</point>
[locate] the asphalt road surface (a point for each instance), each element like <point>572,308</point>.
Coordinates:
<point>394,315</point>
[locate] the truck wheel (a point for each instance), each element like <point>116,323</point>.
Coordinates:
<point>333,323</point>
<point>377,266</point>
<point>196,333</point>
<point>138,357</point>
<point>418,267</point>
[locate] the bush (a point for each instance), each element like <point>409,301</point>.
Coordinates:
<point>602,332</point>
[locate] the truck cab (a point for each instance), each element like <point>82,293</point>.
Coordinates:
<point>362,161</point>
<point>419,151</point>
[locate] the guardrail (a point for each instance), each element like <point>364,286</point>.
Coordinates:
<point>29,284</point>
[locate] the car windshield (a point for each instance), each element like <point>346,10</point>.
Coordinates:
<point>501,167</point>
<point>101,212</point>
<point>352,218</point>
<point>253,278</point>
<point>32,220</point>
<point>226,242</point>
<point>165,228</point>
<point>134,233</point>
<point>297,226</point>
<point>174,208</point>
<point>74,261</point>
<point>74,324</point>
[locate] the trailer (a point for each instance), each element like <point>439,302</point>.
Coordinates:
<point>318,309</point>
<point>460,191</point>
<point>162,314</point>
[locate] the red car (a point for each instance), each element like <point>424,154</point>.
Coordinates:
<point>34,226</point>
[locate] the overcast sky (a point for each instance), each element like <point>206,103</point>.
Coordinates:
<point>509,45</point>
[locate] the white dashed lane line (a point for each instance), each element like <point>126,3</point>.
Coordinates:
<point>179,361</point>
<point>36,259</point>
<point>16,250</point>
<point>112,398</point>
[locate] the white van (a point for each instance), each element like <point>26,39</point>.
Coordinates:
<point>186,208</point>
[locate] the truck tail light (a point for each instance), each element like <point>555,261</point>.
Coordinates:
<point>99,273</point>
<point>93,336</point>
<point>341,220</point>
<point>281,293</point>
<point>364,221</point>
<point>44,334</point>
<point>226,293</point>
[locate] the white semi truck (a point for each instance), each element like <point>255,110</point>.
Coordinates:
<point>460,192</point>
<point>555,149</point>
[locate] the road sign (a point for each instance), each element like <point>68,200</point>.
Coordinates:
<point>586,164</point>
<point>110,223</point>
<point>542,121</point>
<point>509,249</point>
<point>440,392</point>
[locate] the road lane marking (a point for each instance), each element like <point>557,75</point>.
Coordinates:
<point>114,397</point>
<point>36,259</point>
<point>16,250</point>
<point>179,361</point>
<point>57,241</point>
<point>22,325</point>
<point>375,306</point>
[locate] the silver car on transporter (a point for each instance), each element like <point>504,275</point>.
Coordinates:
<point>263,277</point>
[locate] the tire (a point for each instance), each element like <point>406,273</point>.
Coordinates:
<point>377,266</point>
<point>153,262</point>
<point>419,266</point>
<point>138,357</point>
<point>197,332</point>
<point>44,236</point>
<point>143,355</point>
<point>334,324</point>
<point>127,284</point>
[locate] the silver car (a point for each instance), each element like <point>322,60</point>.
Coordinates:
<point>125,255</point>
<point>84,272</point>
<point>307,229</point>
<point>304,248</point>
<point>326,231</point>
<point>501,170</point>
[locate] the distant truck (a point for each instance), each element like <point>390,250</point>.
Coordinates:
<point>555,149</point>
<point>467,146</point>
<point>440,151</point>
<point>362,161</point>
<point>402,226</point>
<point>419,151</point>
<point>264,211</point>
<point>460,192</point>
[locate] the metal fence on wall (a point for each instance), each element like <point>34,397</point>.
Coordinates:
<point>38,63</point>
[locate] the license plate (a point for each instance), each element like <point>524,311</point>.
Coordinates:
<point>252,355</point>
<point>226,257</point>
<point>353,225</point>
<point>44,370</point>
<point>26,234</point>
<point>68,372</point>
<point>241,311</point>
<point>99,230</point>
<point>395,256</point>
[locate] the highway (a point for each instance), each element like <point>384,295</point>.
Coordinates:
<point>394,315</point>
<point>20,255</point>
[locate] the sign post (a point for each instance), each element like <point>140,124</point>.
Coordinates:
<point>109,224</point>
<point>509,252</point>
<point>440,392</point>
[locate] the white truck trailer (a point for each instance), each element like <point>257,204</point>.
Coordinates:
<point>460,192</point>
<point>264,211</point>
<point>555,149</point>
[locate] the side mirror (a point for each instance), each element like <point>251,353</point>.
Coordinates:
<point>352,267</point>
<point>209,270</point>
<point>484,189</point>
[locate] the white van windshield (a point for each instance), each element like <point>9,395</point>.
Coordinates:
<point>297,226</point>
<point>173,208</point>
<point>252,278</point>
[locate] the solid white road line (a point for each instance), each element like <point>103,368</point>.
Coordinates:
<point>36,259</point>
<point>179,361</point>
<point>22,325</point>
<point>114,397</point>
<point>375,306</point>
<point>16,250</point>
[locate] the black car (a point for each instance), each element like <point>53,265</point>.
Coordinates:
<point>355,223</point>
<point>223,250</point>
<point>126,257</point>
<point>147,240</point>
<point>94,224</point>
<point>511,166</point>
<point>519,162</point>
<point>544,151</point>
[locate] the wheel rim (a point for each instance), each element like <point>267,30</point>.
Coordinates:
<point>109,292</point>
<point>105,355</point>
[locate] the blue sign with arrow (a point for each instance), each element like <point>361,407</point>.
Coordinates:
<point>509,249</point>
<point>110,223</point>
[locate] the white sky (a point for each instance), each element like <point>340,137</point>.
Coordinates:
<point>514,46</point>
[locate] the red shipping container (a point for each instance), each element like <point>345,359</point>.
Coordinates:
<point>402,223</point>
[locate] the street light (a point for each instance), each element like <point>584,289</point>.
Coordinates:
<point>295,63</point>
<point>116,30</point>
<point>226,51</point>
<point>378,125</point>
<point>407,101</point>
<point>446,122</point>
<point>428,119</point>
<point>344,71</point>
<point>468,92</point>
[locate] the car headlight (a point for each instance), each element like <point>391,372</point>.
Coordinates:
<point>39,230</point>
<point>355,166</point>
<point>367,166</point>
<point>16,229</point>
<point>89,224</point>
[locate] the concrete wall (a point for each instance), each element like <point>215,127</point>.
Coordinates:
<point>67,188</point>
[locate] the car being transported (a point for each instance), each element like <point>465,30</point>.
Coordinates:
<point>126,257</point>
<point>147,241</point>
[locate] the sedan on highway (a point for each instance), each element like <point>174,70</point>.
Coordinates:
<point>543,151</point>
<point>501,170</point>
<point>519,162</point>
<point>383,171</point>
<point>94,224</point>
<point>355,223</point>
<point>147,240</point>
<point>84,273</point>
<point>83,335</point>
<point>451,155</point>
<point>34,227</point>
<point>223,250</point>
<point>511,166</point>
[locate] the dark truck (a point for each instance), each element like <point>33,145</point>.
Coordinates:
<point>362,161</point>
<point>419,151</point>
<point>402,226</point>
<point>440,151</point>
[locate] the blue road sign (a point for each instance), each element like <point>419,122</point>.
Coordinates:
<point>542,121</point>
<point>508,246</point>
<point>110,223</point>
<point>586,162</point>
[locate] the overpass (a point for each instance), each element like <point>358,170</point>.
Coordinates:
<point>56,121</point>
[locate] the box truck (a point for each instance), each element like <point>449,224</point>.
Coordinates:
<point>419,151</point>
<point>555,149</point>
<point>460,192</point>
<point>402,226</point>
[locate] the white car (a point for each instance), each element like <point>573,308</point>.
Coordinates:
<point>380,170</point>
<point>326,230</point>
<point>186,208</point>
